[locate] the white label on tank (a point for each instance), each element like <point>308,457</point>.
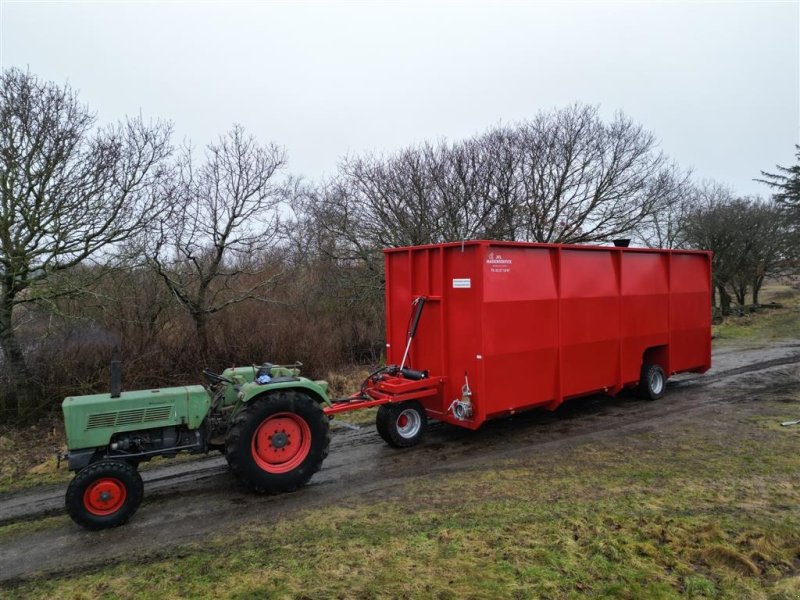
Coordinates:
<point>462,283</point>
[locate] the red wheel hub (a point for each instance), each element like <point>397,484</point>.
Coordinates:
<point>402,421</point>
<point>104,496</point>
<point>281,443</point>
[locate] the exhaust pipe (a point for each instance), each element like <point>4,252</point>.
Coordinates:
<point>116,373</point>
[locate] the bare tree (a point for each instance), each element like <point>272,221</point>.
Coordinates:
<point>585,180</point>
<point>211,249</point>
<point>749,238</point>
<point>68,193</point>
<point>565,176</point>
<point>666,228</point>
<point>765,245</point>
<point>712,225</point>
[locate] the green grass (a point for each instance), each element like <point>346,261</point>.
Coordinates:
<point>766,326</point>
<point>759,328</point>
<point>363,417</point>
<point>679,512</point>
<point>21,528</point>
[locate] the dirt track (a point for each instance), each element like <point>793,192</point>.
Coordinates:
<point>186,502</point>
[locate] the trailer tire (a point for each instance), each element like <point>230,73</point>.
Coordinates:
<point>277,442</point>
<point>104,494</point>
<point>652,382</point>
<point>402,425</point>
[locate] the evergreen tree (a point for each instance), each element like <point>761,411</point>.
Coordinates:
<point>787,183</point>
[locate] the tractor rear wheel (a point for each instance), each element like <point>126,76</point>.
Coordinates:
<point>104,494</point>
<point>277,442</point>
<point>402,425</point>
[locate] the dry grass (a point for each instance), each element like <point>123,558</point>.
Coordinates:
<point>347,382</point>
<point>28,454</point>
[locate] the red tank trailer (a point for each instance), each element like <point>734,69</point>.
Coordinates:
<point>484,329</point>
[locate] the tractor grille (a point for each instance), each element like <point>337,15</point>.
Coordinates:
<point>129,417</point>
<point>101,420</point>
<point>157,413</point>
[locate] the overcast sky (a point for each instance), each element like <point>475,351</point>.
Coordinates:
<point>718,83</point>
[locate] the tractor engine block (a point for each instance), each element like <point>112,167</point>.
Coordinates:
<point>161,441</point>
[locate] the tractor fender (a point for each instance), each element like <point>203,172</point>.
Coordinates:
<point>317,390</point>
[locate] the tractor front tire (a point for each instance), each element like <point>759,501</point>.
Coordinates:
<point>277,442</point>
<point>402,425</point>
<point>652,382</point>
<point>104,494</point>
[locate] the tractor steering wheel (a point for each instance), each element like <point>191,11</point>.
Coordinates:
<point>215,378</point>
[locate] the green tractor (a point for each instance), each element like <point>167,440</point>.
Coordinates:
<point>267,420</point>
<point>271,424</point>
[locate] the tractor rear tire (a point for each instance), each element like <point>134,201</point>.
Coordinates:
<point>277,442</point>
<point>652,382</point>
<point>402,425</point>
<point>104,494</point>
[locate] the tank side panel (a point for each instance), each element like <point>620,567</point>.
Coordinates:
<point>409,275</point>
<point>461,295</point>
<point>645,308</point>
<point>590,321</point>
<point>690,313</point>
<point>398,302</point>
<point>426,349</point>
<point>520,317</point>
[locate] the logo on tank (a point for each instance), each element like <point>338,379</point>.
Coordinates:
<point>498,264</point>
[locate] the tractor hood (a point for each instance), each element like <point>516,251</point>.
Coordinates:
<point>90,421</point>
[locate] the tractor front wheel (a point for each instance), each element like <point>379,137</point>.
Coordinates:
<point>276,443</point>
<point>104,494</point>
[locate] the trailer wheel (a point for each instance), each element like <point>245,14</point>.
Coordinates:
<point>652,382</point>
<point>276,443</point>
<point>104,494</point>
<point>402,425</point>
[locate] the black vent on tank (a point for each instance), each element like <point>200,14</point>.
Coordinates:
<point>622,243</point>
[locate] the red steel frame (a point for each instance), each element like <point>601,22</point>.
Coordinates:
<point>389,389</point>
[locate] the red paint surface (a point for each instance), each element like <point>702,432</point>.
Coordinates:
<point>104,496</point>
<point>540,323</point>
<point>290,454</point>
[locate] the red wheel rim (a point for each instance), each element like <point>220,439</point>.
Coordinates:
<point>281,443</point>
<point>104,496</point>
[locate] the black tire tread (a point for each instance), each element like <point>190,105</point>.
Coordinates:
<point>237,442</point>
<point>123,471</point>
<point>387,418</point>
<point>643,390</point>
